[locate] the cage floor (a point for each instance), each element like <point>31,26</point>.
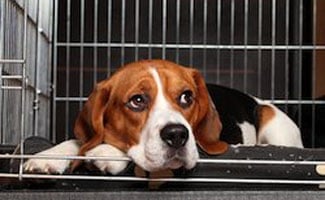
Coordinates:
<point>250,169</point>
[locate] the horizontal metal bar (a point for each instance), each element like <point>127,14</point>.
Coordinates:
<point>131,178</point>
<point>71,99</point>
<point>295,102</point>
<point>267,100</point>
<point>60,157</point>
<point>195,46</point>
<point>11,87</point>
<point>260,162</point>
<point>11,77</point>
<point>207,161</point>
<point>12,61</point>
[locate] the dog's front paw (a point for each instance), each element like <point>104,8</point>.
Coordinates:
<point>53,166</point>
<point>108,166</point>
<point>46,166</point>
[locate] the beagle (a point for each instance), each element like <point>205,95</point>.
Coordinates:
<point>159,114</point>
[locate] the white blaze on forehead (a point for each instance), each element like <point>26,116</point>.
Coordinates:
<point>160,99</point>
<point>152,153</point>
<point>162,109</point>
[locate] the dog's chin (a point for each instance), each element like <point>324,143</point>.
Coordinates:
<point>174,164</point>
<point>165,159</point>
<point>152,167</point>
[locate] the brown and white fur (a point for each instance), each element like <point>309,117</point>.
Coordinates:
<point>159,113</point>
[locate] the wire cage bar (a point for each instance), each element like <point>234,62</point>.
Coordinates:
<point>52,53</point>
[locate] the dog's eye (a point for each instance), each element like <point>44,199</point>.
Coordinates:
<point>138,102</point>
<point>186,99</point>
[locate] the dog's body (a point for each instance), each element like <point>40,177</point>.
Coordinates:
<point>248,120</point>
<point>158,113</point>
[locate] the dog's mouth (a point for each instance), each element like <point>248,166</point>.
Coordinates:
<point>175,158</point>
<point>174,164</point>
<point>154,156</point>
<point>172,159</point>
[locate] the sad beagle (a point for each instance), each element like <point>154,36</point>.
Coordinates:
<point>159,113</point>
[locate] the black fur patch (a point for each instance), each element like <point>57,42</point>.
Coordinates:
<point>234,107</point>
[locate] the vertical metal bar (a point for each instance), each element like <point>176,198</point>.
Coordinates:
<point>218,39</point>
<point>7,46</point>
<point>122,33</point>
<point>2,27</point>
<point>8,37</point>
<point>136,36</point>
<point>313,118</point>
<point>287,54</point>
<point>37,68</point>
<point>164,28</point>
<point>259,52</point>
<point>1,108</point>
<point>49,63</point>
<point>300,59</point>
<point>1,104</point>
<point>67,65</point>
<point>178,16</point>
<point>95,41</point>
<point>82,33</point>
<point>245,42</point>
<point>191,30</point>
<point>273,49</point>
<point>2,35</point>
<point>232,35</point>
<point>150,29</point>
<point>109,35</point>
<point>54,80</point>
<point>23,91</point>
<point>205,29</point>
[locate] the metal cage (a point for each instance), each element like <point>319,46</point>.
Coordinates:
<point>264,48</point>
<point>25,69</point>
<point>53,52</point>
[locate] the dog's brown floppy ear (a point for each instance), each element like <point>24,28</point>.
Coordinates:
<point>208,128</point>
<point>89,126</point>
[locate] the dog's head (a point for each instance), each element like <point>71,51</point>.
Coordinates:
<point>156,112</point>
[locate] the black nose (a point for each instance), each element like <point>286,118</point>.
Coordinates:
<point>174,135</point>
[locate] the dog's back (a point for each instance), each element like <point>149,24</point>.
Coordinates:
<point>249,120</point>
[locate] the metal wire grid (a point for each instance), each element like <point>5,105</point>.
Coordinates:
<point>203,34</point>
<point>25,70</point>
<point>174,46</point>
<point>163,46</point>
<point>25,44</point>
<point>22,77</point>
